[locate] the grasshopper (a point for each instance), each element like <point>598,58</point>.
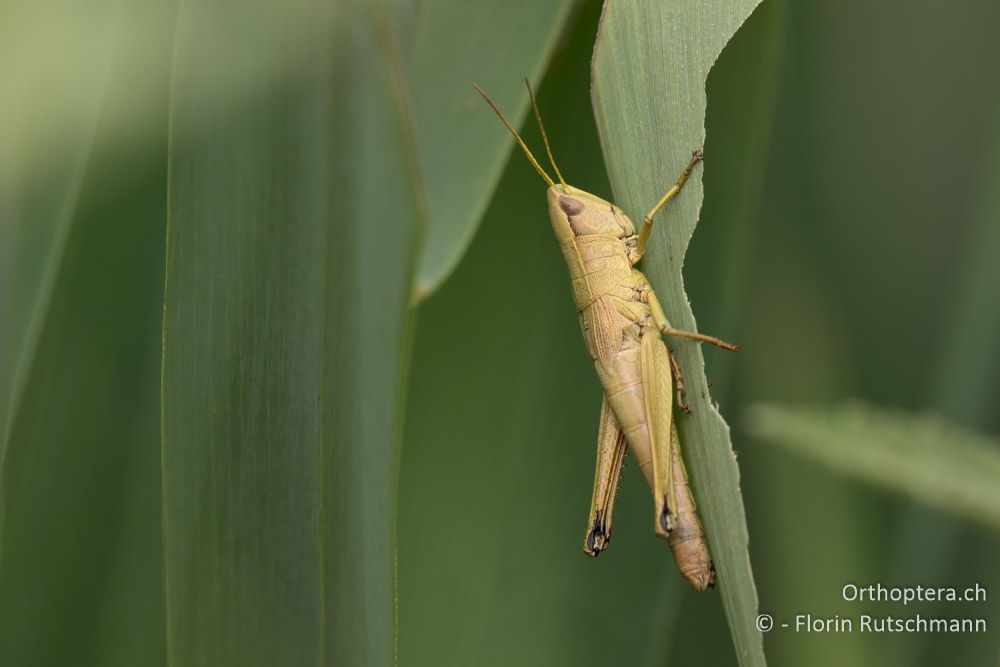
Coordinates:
<point>623,324</point>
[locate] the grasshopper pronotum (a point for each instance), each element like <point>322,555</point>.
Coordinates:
<point>622,323</point>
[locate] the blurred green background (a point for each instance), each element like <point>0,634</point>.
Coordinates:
<point>848,241</point>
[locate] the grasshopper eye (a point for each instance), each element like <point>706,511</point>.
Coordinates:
<point>570,206</point>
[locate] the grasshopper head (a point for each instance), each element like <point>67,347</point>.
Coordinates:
<point>575,212</point>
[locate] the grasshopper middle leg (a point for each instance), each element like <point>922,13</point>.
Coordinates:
<point>660,319</point>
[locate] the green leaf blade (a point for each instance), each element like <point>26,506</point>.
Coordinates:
<point>79,482</point>
<point>47,145</point>
<point>290,251</point>
<point>650,65</point>
<point>447,47</point>
<point>922,456</point>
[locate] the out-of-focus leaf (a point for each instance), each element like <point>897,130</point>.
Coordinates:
<point>47,127</point>
<point>922,456</point>
<point>55,58</point>
<point>289,261</point>
<point>651,62</point>
<point>80,578</point>
<point>447,46</point>
<point>81,557</point>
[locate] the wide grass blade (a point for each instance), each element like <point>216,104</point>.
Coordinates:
<point>291,238</point>
<point>84,207</point>
<point>47,128</point>
<point>650,66</point>
<point>81,557</point>
<point>448,46</point>
<point>922,456</point>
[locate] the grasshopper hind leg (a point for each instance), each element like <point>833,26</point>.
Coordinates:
<point>610,456</point>
<point>658,395</point>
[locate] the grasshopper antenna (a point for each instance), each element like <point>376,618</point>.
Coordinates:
<point>545,137</point>
<point>517,137</point>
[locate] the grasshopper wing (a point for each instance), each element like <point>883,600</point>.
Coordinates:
<point>658,391</point>
<point>610,454</point>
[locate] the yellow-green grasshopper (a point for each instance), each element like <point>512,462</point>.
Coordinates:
<point>623,323</point>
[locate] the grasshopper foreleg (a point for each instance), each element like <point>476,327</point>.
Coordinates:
<point>647,220</point>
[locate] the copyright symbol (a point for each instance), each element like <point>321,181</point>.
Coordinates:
<point>765,622</point>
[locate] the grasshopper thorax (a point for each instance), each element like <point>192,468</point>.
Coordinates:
<point>574,212</point>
